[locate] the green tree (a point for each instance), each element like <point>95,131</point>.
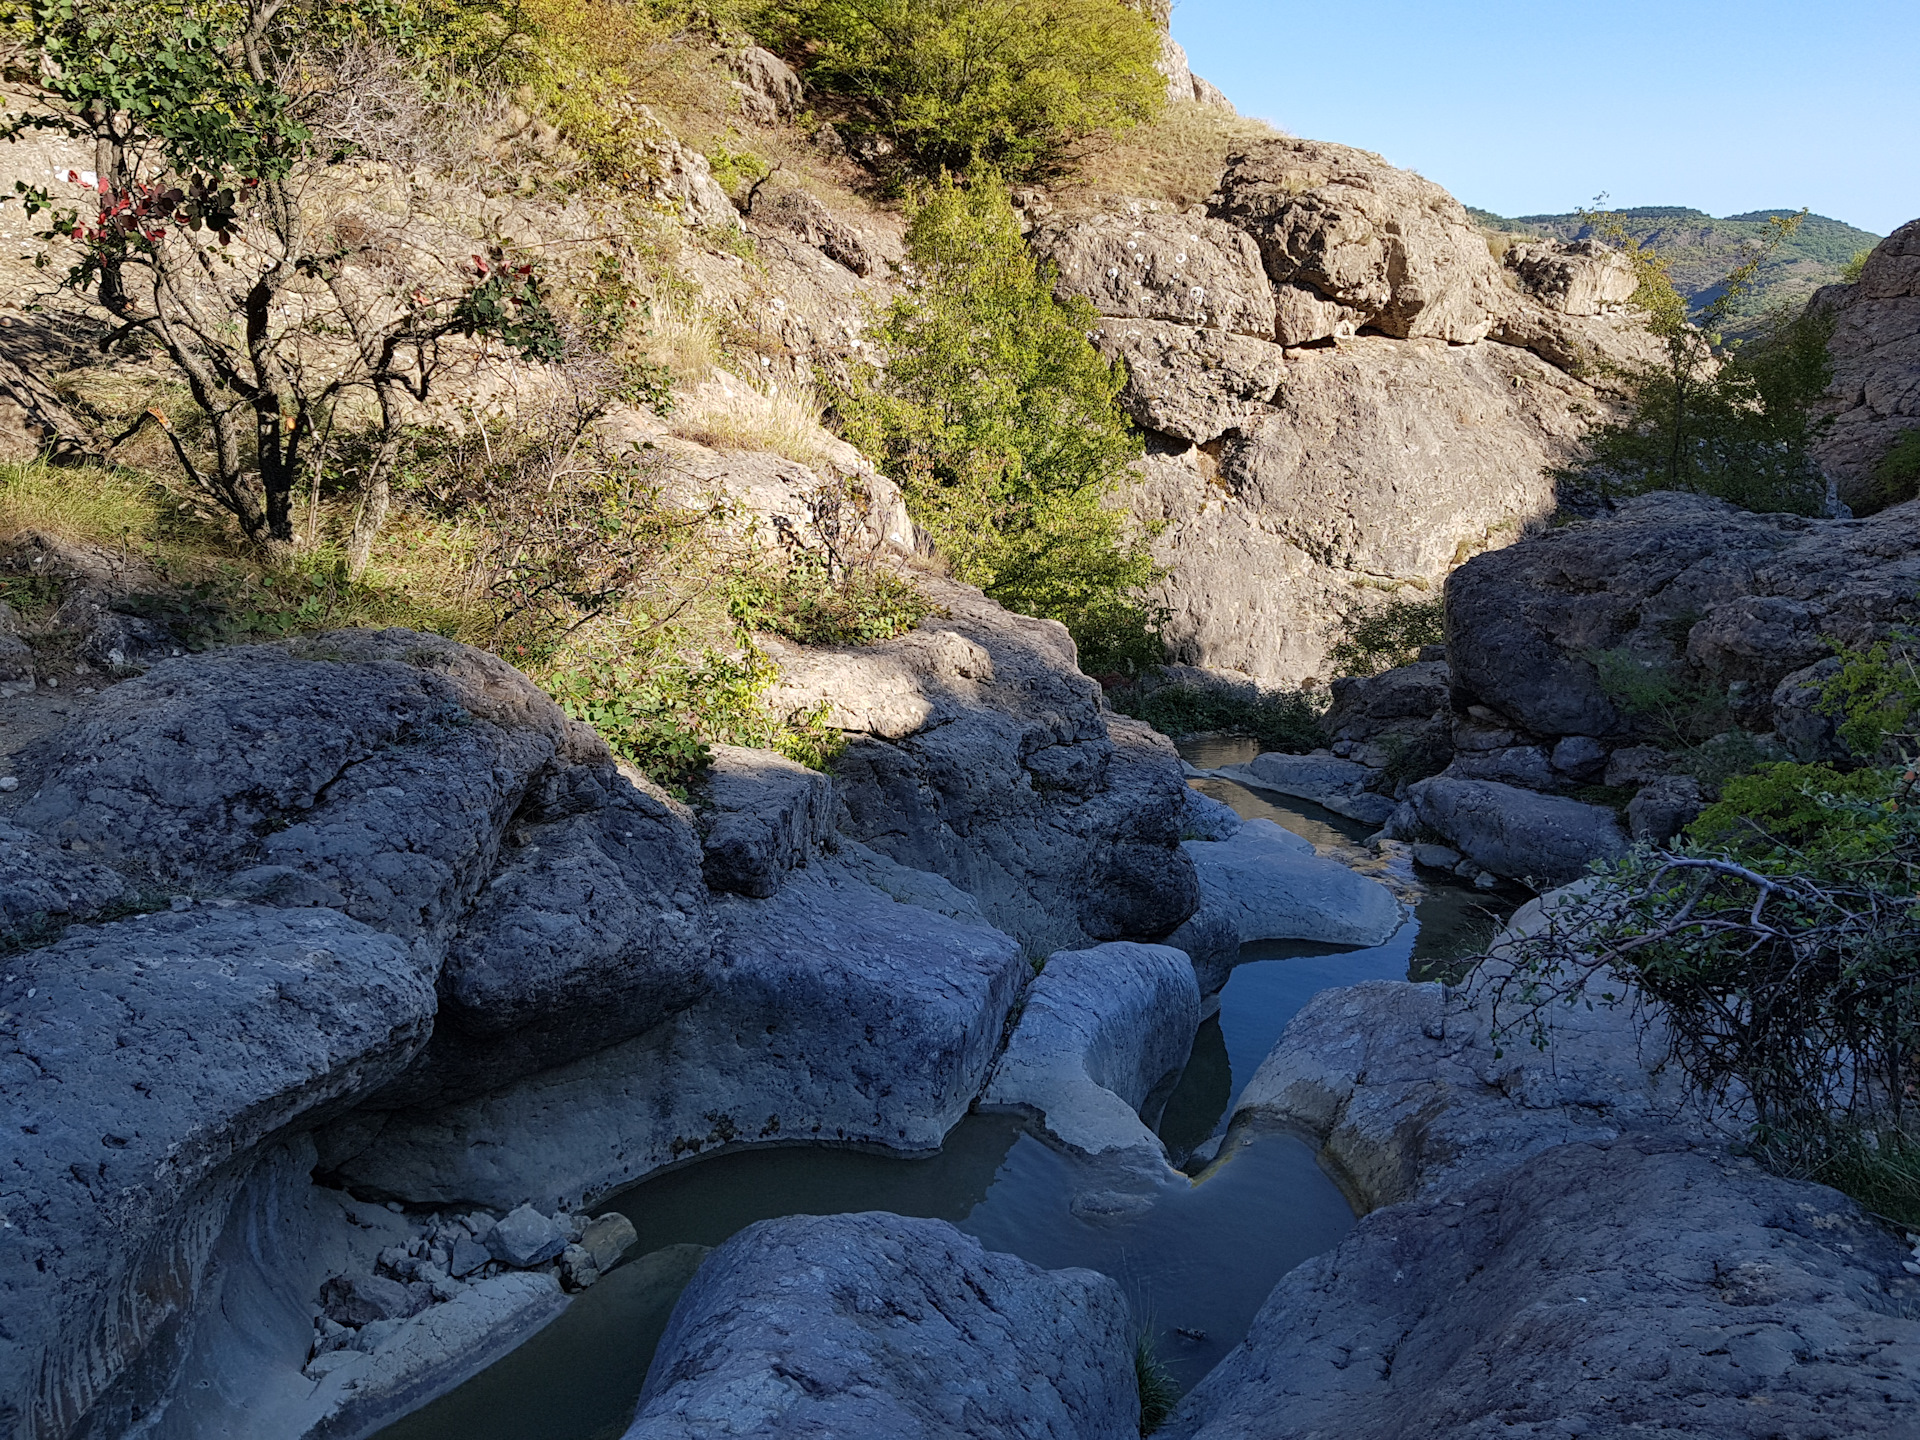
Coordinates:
<point>1014,83</point>
<point>198,234</point>
<point>1728,419</point>
<point>998,418</point>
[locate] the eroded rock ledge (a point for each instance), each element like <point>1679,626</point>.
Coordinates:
<point>1554,1245</point>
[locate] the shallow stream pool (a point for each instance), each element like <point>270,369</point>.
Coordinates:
<point>1196,1256</point>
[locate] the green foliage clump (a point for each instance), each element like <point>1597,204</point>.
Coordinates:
<point>1010,83</point>
<point>811,601</point>
<point>1786,809</point>
<point>663,710</point>
<point>1856,265</point>
<point>1896,479</point>
<point>1777,943</point>
<point>1676,708</point>
<point>1729,419</point>
<point>1377,638</point>
<point>1286,720</point>
<point>1876,698</point>
<point>998,418</point>
<point>1159,1393</point>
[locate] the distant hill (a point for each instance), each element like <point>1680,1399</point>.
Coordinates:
<point>1704,249</point>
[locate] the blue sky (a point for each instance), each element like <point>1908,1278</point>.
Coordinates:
<point>1536,108</point>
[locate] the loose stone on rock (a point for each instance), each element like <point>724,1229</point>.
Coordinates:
<point>525,1238</point>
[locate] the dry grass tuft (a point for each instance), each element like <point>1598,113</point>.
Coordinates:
<point>109,507</point>
<point>1177,158</point>
<point>782,417</point>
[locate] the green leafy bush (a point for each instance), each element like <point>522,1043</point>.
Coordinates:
<point>1013,83</point>
<point>1737,421</point>
<point>1377,638</point>
<point>1778,945</point>
<point>1876,698</point>
<point>811,601</point>
<point>1287,720</point>
<point>998,419</point>
<point>663,710</point>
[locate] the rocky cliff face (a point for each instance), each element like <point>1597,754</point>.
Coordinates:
<point>1876,361</point>
<point>1345,391</point>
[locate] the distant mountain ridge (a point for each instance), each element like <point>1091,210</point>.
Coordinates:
<point>1703,249</point>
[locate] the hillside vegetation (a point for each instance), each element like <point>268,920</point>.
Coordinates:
<point>1702,250</point>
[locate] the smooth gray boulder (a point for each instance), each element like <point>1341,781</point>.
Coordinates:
<point>876,1327</point>
<point>143,1065</point>
<point>1543,840</point>
<point>1101,1028</point>
<point>1204,818</point>
<point>1664,808</point>
<point>1274,887</point>
<point>1335,784</point>
<point>834,1013</point>
<point>594,926</point>
<point>381,765</point>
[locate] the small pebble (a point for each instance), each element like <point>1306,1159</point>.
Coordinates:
<point>180,902</point>
<point>9,782</point>
<point>52,683</point>
<point>396,1207</point>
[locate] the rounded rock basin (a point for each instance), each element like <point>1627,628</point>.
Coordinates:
<point>1197,1256</point>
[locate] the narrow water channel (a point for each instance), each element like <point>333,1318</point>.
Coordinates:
<point>1196,1256</point>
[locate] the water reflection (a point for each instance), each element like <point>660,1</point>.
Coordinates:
<point>1196,1258</point>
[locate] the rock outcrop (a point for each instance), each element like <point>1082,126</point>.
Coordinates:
<point>1740,602</point>
<point>874,1327</point>
<point>1876,362</point>
<point>1535,1217</point>
<point>1344,390</point>
<point>433,942</point>
<point>1101,1029</point>
<point>980,753</point>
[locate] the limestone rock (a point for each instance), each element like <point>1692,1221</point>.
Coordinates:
<point>769,90</point>
<point>607,1238</point>
<point>1325,779</point>
<point>1365,707</point>
<point>594,927</point>
<point>1541,839</point>
<point>1665,808</point>
<point>833,1013</point>
<point>1188,382</point>
<point>679,178</point>
<point>42,885</point>
<point>1100,1030</point>
<point>387,781</point>
<point>1702,1289</point>
<point>359,1300</point>
<point>524,1237</point>
<point>1876,361</point>
<point>1204,818</point>
<point>1302,315</point>
<point>1524,765</point>
<point>1276,888</point>
<point>144,1065</point>
<point>1141,264</point>
<point>1577,277</point>
<point>1809,732</point>
<point>1382,241</point>
<point>789,208</point>
<point>874,1327</point>
<point>1205,92</point>
<point>764,815</point>
<point>1676,580</point>
<point>979,752</point>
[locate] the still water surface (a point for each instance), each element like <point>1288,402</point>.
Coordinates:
<point>1196,1256</point>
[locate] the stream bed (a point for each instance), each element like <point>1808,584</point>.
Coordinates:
<point>1196,1256</point>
